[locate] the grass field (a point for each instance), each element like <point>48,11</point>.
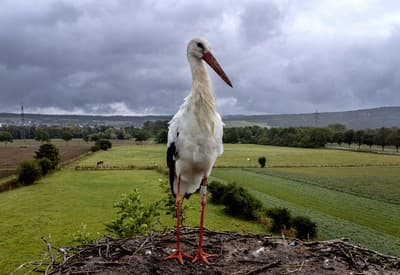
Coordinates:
<point>246,155</point>
<point>359,202</point>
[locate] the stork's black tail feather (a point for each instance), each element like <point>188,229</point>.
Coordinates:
<point>171,158</point>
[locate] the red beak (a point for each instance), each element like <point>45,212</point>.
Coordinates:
<point>210,59</point>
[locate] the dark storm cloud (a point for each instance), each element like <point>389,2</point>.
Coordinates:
<point>125,57</point>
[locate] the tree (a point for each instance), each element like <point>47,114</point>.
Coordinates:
<point>359,137</point>
<point>337,127</point>
<point>381,137</point>
<point>103,144</point>
<point>262,161</point>
<point>338,137</point>
<point>230,135</point>
<point>369,137</point>
<point>42,135</point>
<point>5,137</point>
<point>49,151</point>
<point>394,138</point>
<point>66,135</point>
<point>162,136</point>
<point>141,135</point>
<point>348,137</point>
<point>28,172</point>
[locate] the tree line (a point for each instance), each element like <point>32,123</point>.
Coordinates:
<point>307,137</point>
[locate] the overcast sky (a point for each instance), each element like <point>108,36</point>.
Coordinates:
<point>129,57</point>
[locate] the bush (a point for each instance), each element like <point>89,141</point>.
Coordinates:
<point>103,144</point>
<point>239,202</point>
<point>28,172</point>
<point>305,228</point>
<point>45,165</point>
<point>95,148</point>
<point>281,218</point>
<point>217,191</point>
<point>49,151</point>
<point>134,217</point>
<point>262,161</point>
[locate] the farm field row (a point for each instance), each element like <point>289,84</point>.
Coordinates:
<point>59,204</point>
<point>370,222</point>
<point>379,183</point>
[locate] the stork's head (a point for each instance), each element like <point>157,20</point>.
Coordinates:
<point>200,49</point>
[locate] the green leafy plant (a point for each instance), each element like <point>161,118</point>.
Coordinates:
<point>239,202</point>
<point>281,218</point>
<point>217,191</point>
<point>133,216</point>
<point>83,237</point>
<point>305,228</point>
<point>168,203</point>
<point>28,172</point>
<point>46,165</point>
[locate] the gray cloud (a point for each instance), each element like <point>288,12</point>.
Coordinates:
<point>126,57</point>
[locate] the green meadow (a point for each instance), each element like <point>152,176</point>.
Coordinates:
<point>349,194</point>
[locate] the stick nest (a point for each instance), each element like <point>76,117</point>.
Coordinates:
<point>237,254</point>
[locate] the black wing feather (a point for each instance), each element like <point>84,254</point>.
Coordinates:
<point>171,158</point>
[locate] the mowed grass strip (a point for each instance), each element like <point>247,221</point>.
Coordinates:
<point>58,205</point>
<point>378,183</point>
<point>376,215</point>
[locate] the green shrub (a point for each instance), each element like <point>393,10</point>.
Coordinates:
<point>49,151</point>
<point>133,216</point>
<point>217,191</point>
<point>168,203</point>
<point>239,202</point>
<point>28,172</point>
<point>46,165</point>
<point>262,161</point>
<point>95,148</point>
<point>281,218</point>
<point>305,228</point>
<point>103,144</point>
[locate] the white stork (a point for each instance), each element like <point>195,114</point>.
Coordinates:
<point>195,139</point>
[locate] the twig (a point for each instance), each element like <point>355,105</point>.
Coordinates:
<point>273,264</point>
<point>140,247</point>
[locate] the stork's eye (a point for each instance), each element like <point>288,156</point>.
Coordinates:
<point>200,45</point>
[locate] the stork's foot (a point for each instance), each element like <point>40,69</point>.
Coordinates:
<point>179,255</point>
<point>202,256</point>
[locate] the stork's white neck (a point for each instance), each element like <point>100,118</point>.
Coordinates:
<point>202,99</point>
<point>202,88</point>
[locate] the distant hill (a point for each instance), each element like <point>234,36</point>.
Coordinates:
<point>358,119</point>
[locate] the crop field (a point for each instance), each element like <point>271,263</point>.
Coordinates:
<point>348,194</point>
<point>13,153</point>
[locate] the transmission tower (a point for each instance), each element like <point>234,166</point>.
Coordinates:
<point>22,122</point>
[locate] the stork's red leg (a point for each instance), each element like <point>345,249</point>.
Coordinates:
<point>178,254</point>
<point>201,255</point>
